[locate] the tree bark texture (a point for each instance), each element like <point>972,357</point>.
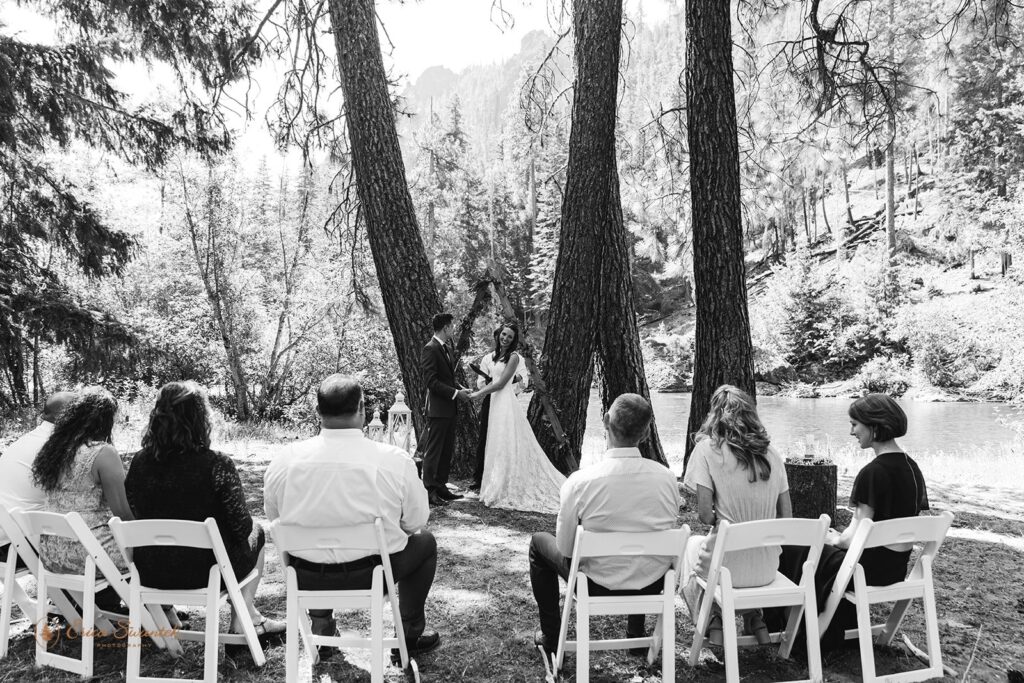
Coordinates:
<point>812,488</point>
<point>403,271</point>
<point>593,307</point>
<point>723,350</point>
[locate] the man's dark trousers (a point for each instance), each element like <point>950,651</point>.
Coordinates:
<point>413,568</point>
<point>547,564</point>
<point>438,450</point>
<point>481,443</point>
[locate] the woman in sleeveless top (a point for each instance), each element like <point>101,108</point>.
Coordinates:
<point>889,487</point>
<point>736,477</point>
<point>80,471</point>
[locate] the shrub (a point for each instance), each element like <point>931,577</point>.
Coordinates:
<point>883,375</point>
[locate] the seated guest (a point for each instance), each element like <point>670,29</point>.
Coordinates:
<point>79,470</point>
<point>176,475</point>
<point>17,489</point>
<point>340,478</point>
<point>888,487</point>
<point>622,493</point>
<point>736,477</point>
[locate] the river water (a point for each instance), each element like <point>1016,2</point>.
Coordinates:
<point>793,422</point>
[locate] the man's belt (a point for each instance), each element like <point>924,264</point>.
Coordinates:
<point>354,565</point>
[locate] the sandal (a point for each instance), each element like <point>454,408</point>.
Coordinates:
<point>715,631</point>
<point>756,627</point>
<point>269,627</point>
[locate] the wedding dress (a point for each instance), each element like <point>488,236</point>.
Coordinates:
<point>517,473</point>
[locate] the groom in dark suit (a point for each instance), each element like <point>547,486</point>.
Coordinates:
<point>441,408</point>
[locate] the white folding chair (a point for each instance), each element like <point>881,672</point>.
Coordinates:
<point>930,531</point>
<point>781,592</point>
<point>185,534</point>
<point>369,537</point>
<point>669,543</point>
<point>12,593</point>
<point>15,593</point>
<point>100,572</point>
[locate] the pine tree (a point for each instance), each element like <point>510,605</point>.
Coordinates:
<point>62,93</point>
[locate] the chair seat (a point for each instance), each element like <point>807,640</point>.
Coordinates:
<point>905,590</point>
<point>779,593</point>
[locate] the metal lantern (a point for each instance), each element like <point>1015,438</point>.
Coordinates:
<point>375,430</point>
<point>400,431</point>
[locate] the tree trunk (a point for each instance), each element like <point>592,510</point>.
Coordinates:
<point>723,349</point>
<point>824,212</point>
<point>812,488</point>
<point>594,252</point>
<point>16,368</point>
<point>890,188</point>
<point>406,282</point>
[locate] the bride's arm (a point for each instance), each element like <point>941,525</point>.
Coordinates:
<point>506,377</point>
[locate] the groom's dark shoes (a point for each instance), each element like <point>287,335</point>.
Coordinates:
<point>444,493</point>
<point>435,500</point>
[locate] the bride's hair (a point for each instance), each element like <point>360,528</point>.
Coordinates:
<point>732,419</point>
<point>498,356</point>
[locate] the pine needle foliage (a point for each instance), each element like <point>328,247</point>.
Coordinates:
<point>55,94</point>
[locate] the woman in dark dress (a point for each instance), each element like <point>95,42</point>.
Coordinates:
<point>176,475</point>
<point>888,487</point>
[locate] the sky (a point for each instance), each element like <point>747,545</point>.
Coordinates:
<point>423,33</point>
<point>461,33</point>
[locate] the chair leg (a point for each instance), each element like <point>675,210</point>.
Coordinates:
<point>6,603</point>
<point>931,621</point>
<point>796,612</point>
<point>291,643</point>
<point>377,633</point>
<point>212,644</point>
<point>657,636</point>
<point>41,619</point>
<point>89,619</point>
<point>668,649</point>
<point>867,648</point>
<point>133,665</point>
<point>814,671</point>
<point>699,627</point>
<point>730,644</point>
<point>582,638</point>
<point>892,624</point>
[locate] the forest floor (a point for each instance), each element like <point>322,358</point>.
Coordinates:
<point>482,605</point>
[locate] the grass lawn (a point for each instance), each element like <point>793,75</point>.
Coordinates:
<point>483,607</point>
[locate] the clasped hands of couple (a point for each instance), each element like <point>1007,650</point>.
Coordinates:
<point>467,394</point>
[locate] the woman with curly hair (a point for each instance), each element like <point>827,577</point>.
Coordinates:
<point>80,471</point>
<point>736,476</point>
<point>176,475</point>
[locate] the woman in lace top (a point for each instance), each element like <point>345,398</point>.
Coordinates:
<point>80,471</point>
<point>176,475</point>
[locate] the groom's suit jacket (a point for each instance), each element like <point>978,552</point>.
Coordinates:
<point>438,365</point>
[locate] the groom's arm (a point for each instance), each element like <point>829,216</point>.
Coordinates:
<point>429,361</point>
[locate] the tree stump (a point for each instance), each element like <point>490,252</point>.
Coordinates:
<point>812,487</point>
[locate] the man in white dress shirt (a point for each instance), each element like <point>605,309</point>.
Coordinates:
<point>341,478</point>
<point>17,488</point>
<point>622,492</point>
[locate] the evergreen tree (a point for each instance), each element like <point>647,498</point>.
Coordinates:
<point>56,94</point>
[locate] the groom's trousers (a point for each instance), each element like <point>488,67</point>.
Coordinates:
<point>547,563</point>
<point>413,567</point>
<point>439,445</point>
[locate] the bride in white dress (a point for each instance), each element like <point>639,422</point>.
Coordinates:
<point>517,473</point>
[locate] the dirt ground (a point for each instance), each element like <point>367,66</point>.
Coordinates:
<point>483,607</point>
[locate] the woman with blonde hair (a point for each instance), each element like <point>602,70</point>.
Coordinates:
<point>736,476</point>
